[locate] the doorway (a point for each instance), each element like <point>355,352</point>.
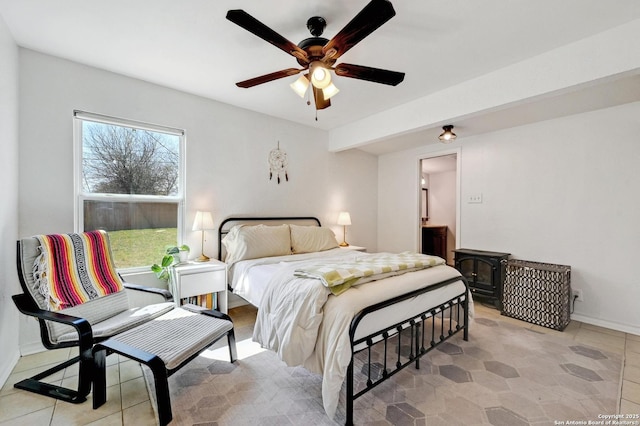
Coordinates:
<point>439,205</point>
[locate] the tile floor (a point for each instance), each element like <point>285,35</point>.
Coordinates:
<point>128,401</point>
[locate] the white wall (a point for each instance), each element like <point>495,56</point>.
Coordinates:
<point>227,149</point>
<point>398,202</point>
<point>9,195</point>
<point>559,191</point>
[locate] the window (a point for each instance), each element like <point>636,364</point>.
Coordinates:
<point>130,183</point>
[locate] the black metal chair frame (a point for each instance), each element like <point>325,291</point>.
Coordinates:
<point>85,343</point>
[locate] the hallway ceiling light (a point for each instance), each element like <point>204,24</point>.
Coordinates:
<point>448,135</point>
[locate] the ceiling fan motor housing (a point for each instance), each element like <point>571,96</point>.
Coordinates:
<point>316,25</point>
<point>313,46</point>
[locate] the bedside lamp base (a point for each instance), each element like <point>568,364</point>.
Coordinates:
<point>344,242</point>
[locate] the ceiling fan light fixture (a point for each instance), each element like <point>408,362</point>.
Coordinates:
<point>330,91</point>
<point>300,86</point>
<point>320,75</point>
<point>448,135</point>
<point>317,55</point>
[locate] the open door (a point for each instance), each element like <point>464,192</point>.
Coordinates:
<point>439,205</point>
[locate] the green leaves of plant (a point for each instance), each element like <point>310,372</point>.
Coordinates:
<point>171,257</point>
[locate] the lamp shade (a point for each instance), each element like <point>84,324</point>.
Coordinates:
<point>344,218</point>
<point>301,85</point>
<point>330,91</point>
<point>203,221</point>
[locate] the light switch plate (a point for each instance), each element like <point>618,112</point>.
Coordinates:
<point>475,198</point>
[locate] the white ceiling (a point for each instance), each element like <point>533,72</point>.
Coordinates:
<point>190,46</point>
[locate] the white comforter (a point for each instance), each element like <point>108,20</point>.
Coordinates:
<point>300,320</point>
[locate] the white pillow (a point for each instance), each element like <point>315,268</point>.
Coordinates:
<point>310,239</point>
<point>252,242</point>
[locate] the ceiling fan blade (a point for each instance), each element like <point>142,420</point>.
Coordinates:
<point>321,102</point>
<point>251,24</point>
<point>268,77</point>
<point>376,75</point>
<point>376,13</point>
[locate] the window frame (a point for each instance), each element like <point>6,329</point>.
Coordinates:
<point>80,196</point>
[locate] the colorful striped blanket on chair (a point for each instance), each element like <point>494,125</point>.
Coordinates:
<point>75,268</point>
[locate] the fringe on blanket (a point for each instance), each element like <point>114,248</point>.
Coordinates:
<point>41,280</point>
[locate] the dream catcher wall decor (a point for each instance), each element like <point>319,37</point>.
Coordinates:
<point>278,163</point>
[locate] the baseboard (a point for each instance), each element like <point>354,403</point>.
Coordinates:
<point>7,368</point>
<point>625,328</point>
<point>31,348</point>
<point>237,303</point>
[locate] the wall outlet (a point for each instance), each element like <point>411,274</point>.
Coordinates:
<point>475,198</point>
<point>577,292</point>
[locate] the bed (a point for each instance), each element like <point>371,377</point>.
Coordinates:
<point>361,330</point>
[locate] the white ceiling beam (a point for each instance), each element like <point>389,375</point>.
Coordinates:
<point>602,57</point>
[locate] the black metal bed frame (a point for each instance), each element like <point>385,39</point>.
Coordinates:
<point>222,230</point>
<point>421,342</point>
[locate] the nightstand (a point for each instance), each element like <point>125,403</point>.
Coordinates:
<point>201,283</point>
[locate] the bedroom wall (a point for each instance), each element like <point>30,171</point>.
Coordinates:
<point>9,194</point>
<point>559,191</point>
<point>227,149</point>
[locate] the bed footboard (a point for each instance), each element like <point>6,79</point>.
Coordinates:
<point>385,352</point>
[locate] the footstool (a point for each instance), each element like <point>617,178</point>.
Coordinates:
<point>165,345</point>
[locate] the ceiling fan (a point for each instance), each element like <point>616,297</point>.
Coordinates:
<point>318,55</point>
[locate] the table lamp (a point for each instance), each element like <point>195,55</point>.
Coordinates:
<point>344,219</point>
<point>203,222</point>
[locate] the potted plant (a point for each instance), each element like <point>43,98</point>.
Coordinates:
<point>173,255</point>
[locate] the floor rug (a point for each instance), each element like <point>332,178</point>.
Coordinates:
<point>504,375</point>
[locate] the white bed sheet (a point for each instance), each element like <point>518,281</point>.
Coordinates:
<point>299,320</point>
<point>249,278</point>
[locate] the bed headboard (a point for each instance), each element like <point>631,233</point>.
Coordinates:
<point>230,222</point>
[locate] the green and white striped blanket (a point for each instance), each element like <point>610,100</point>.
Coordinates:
<point>338,277</point>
